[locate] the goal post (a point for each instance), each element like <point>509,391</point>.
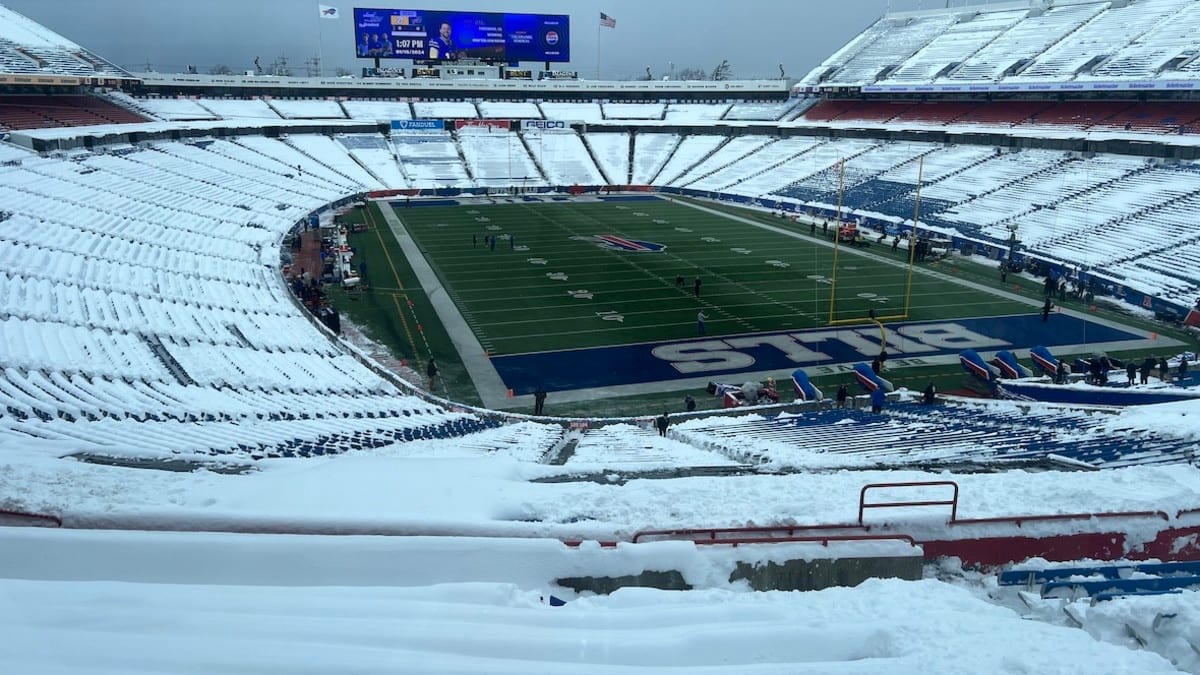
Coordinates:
<point>870,315</point>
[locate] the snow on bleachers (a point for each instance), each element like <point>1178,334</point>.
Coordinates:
<point>1115,27</point>
<point>731,177</point>
<point>1024,41</point>
<point>173,109</point>
<point>52,54</point>
<point>238,109</point>
<point>899,39</point>
<point>307,109</point>
<point>938,164</point>
<point>378,111</point>
<point>430,158</point>
<point>1039,191</point>
<point>142,313</point>
<point>769,111</point>
<point>990,175</point>
<point>572,112</point>
<point>691,149</point>
<point>695,112</point>
<point>375,155</point>
<point>627,446</point>
<point>498,158</point>
<point>851,49</point>
<point>972,32</point>
<point>1172,37</point>
<point>769,178</point>
<point>13,153</point>
<point>326,151</point>
<point>612,154</point>
<point>445,110</point>
<point>1098,226</point>
<point>309,184</point>
<point>732,151</point>
<point>816,174</point>
<point>51,345</point>
<point>296,161</point>
<point>509,110</point>
<point>633,111</point>
<point>650,152</point>
<point>563,157</point>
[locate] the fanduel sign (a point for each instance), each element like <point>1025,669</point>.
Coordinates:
<point>545,124</point>
<point>416,125</point>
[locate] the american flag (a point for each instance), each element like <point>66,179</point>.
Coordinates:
<point>607,21</point>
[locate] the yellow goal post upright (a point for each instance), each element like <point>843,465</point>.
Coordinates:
<point>912,258</point>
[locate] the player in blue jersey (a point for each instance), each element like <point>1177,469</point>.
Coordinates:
<point>441,48</point>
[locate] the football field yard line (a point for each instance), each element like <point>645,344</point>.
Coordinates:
<point>998,292</point>
<point>708,272</point>
<point>479,367</point>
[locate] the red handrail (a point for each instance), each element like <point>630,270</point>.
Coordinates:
<point>713,532</point>
<point>952,502</point>
<point>35,516</point>
<point>824,540</point>
<point>1017,520</point>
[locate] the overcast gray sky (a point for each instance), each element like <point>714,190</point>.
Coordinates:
<point>754,35</point>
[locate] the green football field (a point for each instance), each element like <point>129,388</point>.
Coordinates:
<point>560,284</point>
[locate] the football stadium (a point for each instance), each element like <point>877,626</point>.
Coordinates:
<point>472,363</point>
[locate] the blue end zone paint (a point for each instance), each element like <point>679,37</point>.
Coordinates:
<point>417,203</point>
<point>724,357</point>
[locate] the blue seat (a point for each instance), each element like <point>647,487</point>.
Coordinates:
<point>1114,587</point>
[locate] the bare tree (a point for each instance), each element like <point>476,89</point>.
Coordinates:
<point>692,74</point>
<point>220,69</point>
<point>342,72</point>
<point>721,72</point>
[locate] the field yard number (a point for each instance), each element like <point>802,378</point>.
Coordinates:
<point>710,240</point>
<point>538,261</point>
<point>743,251</point>
<point>557,276</point>
<point>777,263</point>
<point>580,295</point>
<point>820,279</point>
<point>611,316</point>
<point>873,298</point>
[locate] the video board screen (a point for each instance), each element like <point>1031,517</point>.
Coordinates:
<point>423,35</point>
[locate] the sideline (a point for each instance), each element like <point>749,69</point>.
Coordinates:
<point>999,292</point>
<point>479,367</point>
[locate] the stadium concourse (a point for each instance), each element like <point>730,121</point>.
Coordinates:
<point>182,428</point>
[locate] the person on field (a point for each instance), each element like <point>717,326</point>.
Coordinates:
<point>696,287</point>
<point>662,423</point>
<point>539,401</point>
<point>1131,371</point>
<point>431,372</point>
<point>1147,367</point>
<point>842,394</point>
<point>700,317</point>
<point>689,402</point>
<point>1046,310</point>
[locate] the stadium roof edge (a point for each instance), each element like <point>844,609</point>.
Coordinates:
<point>499,86</point>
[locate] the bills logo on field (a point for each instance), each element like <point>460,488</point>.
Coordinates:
<point>613,242</point>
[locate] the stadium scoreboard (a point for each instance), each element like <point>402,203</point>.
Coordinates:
<point>441,36</point>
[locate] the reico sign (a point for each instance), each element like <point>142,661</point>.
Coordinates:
<point>545,124</point>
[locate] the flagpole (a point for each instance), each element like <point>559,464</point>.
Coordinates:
<point>320,45</point>
<point>599,27</point>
